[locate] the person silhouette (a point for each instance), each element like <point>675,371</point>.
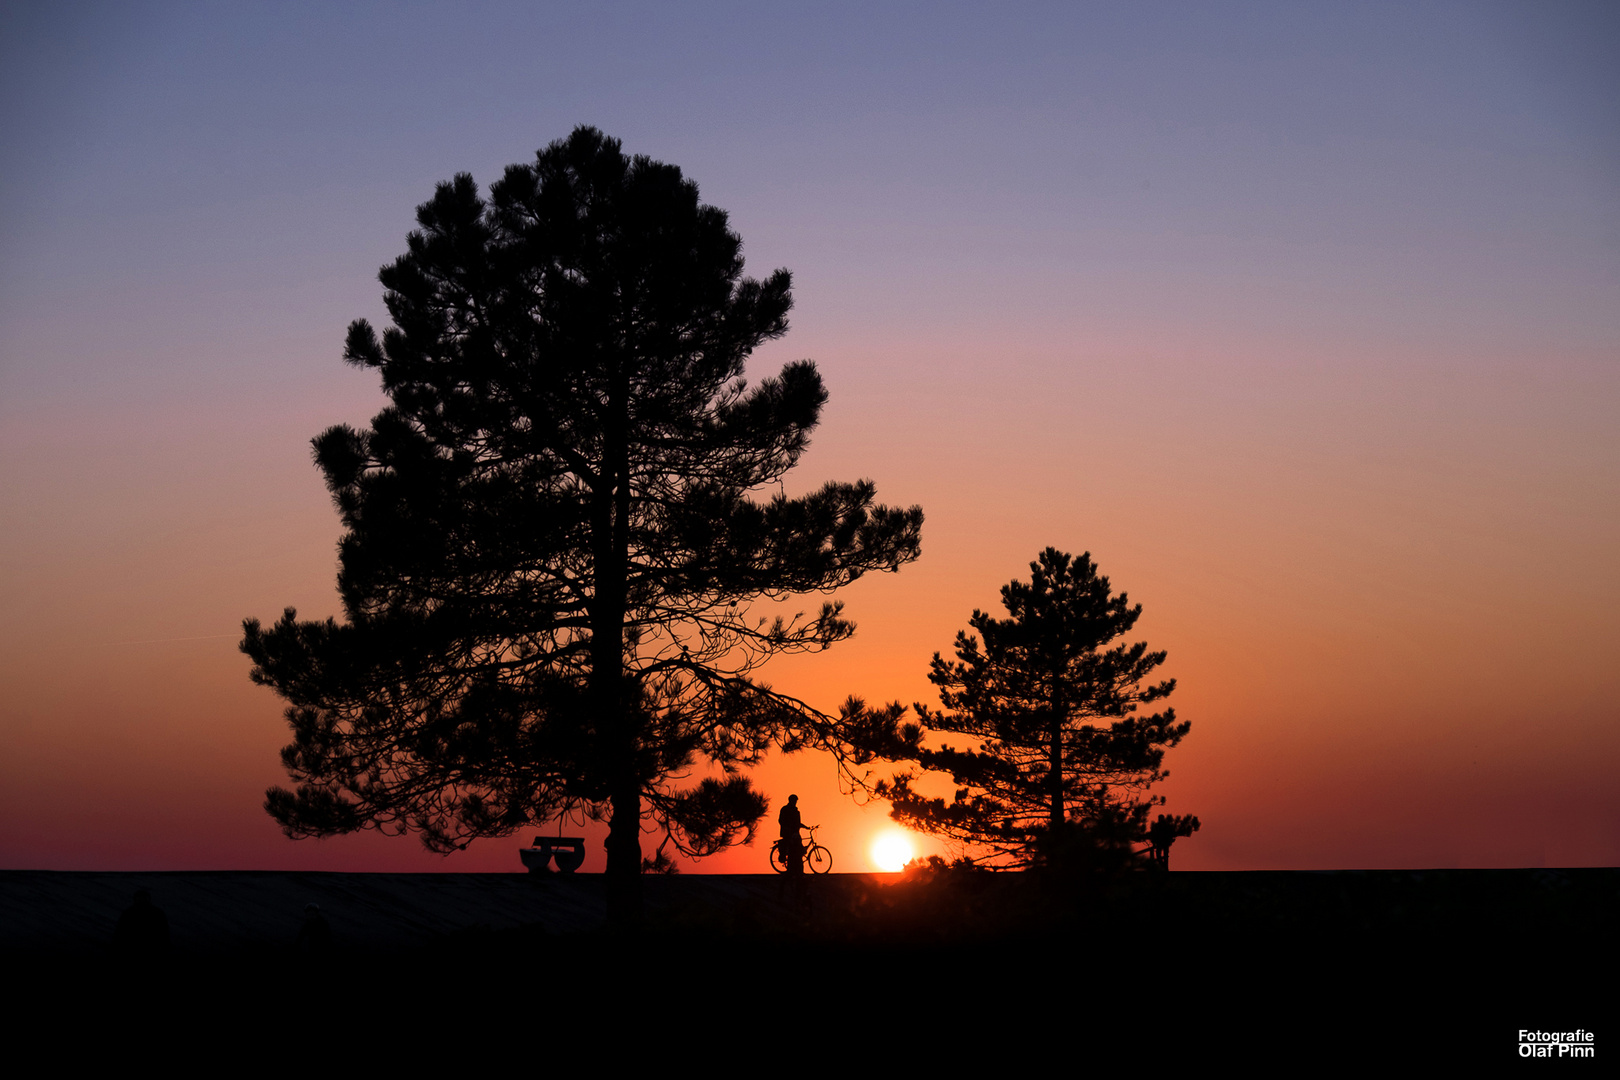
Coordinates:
<point>789,825</point>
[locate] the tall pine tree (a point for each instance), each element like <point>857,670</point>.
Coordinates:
<point>1057,761</point>
<point>552,542</point>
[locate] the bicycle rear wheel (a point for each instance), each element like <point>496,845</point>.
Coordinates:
<point>819,858</point>
<point>778,863</point>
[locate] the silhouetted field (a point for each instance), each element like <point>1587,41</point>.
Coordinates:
<point>1438,965</point>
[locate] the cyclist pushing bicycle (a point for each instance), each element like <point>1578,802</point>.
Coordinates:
<point>789,852</point>
<point>789,825</point>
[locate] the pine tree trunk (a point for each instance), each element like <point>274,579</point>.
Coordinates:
<point>623,877</point>
<point>1054,778</point>
<point>611,529</point>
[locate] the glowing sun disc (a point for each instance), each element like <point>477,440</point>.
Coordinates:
<point>892,850</point>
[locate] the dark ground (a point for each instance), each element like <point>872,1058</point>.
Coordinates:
<point>1266,970</point>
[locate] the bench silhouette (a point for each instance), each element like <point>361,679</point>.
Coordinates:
<point>568,851</point>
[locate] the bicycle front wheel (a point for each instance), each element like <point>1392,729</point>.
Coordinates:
<point>820,859</point>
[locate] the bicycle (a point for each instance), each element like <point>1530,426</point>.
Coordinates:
<point>816,857</point>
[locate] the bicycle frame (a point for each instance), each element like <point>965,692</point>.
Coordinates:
<point>811,854</point>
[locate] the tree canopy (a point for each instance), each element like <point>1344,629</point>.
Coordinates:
<point>554,554</point>
<point>1058,760</point>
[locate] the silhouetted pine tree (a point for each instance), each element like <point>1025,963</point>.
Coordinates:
<point>1057,761</point>
<point>551,546</point>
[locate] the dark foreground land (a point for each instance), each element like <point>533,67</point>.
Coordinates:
<point>1254,968</point>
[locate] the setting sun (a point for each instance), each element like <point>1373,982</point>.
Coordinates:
<point>892,850</point>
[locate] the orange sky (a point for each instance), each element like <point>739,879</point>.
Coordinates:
<point>1310,335</point>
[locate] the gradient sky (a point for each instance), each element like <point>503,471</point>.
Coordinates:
<point>1303,319</point>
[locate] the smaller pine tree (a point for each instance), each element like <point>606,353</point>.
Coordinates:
<point>1061,759</point>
